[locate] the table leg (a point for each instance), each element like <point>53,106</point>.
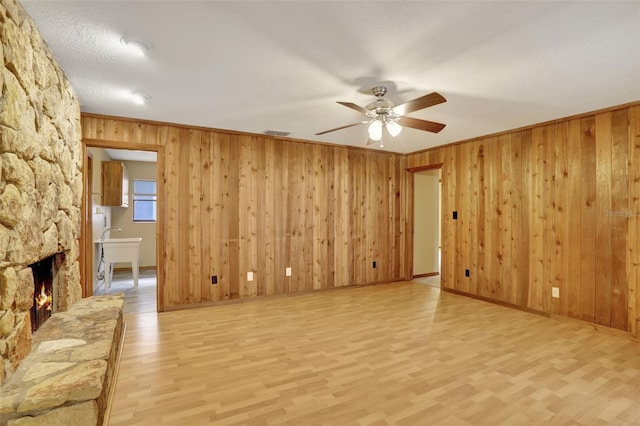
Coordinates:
<point>107,275</point>
<point>134,268</point>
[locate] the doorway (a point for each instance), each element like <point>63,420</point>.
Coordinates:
<point>427,213</point>
<point>140,216</point>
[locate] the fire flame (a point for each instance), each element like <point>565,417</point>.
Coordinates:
<point>43,299</point>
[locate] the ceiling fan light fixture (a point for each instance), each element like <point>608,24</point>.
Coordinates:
<point>394,128</point>
<point>375,130</point>
<point>382,113</point>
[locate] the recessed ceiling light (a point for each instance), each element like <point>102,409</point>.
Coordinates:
<point>138,98</point>
<point>137,47</point>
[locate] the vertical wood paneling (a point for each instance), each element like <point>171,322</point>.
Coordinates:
<point>296,219</point>
<point>515,229</point>
<point>537,221</point>
<point>307,241</point>
<point>329,196</point>
<point>531,202</point>
<point>554,205</point>
<point>525,199</point>
<point>619,220</point>
<point>341,198</point>
<point>473,220</point>
<point>603,219</point>
<point>171,226</point>
<point>633,251</point>
<point>505,219</point>
<point>461,188</point>
<point>211,231</point>
<point>561,219</point>
<point>549,230</point>
<point>384,201</point>
<point>573,280</point>
<point>265,218</point>
<point>448,263</point>
<point>235,203</point>
<point>321,217</point>
<point>480,274</point>
<point>281,217</point>
<point>247,196</point>
<point>395,173</point>
<point>492,219</point>
<point>231,214</point>
<point>195,223</point>
<point>588,219</point>
<point>181,219</point>
<point>358,242</point>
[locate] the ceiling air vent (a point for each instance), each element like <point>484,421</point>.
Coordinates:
<point>276,133</point>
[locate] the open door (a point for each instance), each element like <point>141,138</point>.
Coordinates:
<point>426,223</point>
<point>86,260</point>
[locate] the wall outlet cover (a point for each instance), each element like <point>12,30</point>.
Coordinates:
<point>555,292</point>
<point>287,271</point>
<point>250,276</point>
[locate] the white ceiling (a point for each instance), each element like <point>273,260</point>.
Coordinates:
<point>282,65</point>
<point>132,155</point>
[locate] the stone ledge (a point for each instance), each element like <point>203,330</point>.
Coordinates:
<point>70,370</point>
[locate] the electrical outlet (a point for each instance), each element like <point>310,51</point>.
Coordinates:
<point>467,273</point>
<point>555,292</point>
<point>287,272</point>
<point>375,264</point>
<point>214,279</point>
<point>455,215</point>
<point>250,276</point>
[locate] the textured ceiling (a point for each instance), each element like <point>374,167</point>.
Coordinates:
<point>254,66</point>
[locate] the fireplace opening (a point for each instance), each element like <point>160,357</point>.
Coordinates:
<point>44,274</point>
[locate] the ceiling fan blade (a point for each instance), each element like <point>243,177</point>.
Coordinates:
<point>354,106</point>
<point>339,128</point>
<point>419,103</point>
<point>416,123</point>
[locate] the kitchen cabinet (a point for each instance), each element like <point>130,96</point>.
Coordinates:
<point>115,184</point>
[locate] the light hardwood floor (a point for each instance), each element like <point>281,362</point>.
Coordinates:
<point>393,354</point>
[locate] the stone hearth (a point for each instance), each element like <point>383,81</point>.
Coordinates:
<point>67,377</point>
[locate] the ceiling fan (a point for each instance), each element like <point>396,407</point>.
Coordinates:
<point>382,113</point>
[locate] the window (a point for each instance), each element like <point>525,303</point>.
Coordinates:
<point>144,200</point>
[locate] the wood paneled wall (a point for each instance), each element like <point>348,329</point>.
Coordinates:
<point>555,205</point>
<point>235,203</point>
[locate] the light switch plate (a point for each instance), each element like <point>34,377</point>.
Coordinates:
<point>555,292</point>
<point>250,276</point>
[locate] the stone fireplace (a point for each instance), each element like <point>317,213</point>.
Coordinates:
<point>45,292</point>
<point>63,372</point>
<point>40,180</point>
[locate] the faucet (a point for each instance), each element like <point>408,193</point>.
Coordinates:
<point>107,230</point>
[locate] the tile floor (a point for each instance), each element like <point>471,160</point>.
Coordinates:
<point>136,300</point>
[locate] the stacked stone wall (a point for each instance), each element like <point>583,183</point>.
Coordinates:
<point>40,178</point>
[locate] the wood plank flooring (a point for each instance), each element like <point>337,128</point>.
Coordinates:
<point>393,354</point>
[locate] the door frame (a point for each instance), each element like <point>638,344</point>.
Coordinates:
<point>87,235</point>
<point>86,225</point>
<point>412,171</point>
